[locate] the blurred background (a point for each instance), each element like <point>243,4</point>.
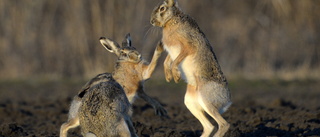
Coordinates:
<point>252,39</point>
<point>268,49</point>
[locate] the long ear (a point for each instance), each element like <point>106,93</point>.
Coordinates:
<point>127,41</point>
<point>170,3</point>
<point>110,45</point>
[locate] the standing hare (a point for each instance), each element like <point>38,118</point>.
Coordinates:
<point>131,71</point>
<point>103,111</point>
<point>191,57</point>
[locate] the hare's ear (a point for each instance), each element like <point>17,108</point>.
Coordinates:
<point>110,45</point>
<point>171,3</point>
<point>127,41</point>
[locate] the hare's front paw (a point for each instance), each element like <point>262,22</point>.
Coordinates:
<point>159,47</point>
<point>160,111</point>
<point>176,74</point>
<point>168,74</point>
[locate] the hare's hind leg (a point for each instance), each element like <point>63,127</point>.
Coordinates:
<point>192,103</point>
<point>214,99</point>
<point>212,110</point>
<point>73,119</point>
<point>222,123</point>
<point>71,123</point>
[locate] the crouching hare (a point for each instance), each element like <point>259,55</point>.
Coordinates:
<point>131,71</point>
<point>191,57</point>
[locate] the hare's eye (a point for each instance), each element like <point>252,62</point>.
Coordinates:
<point>123,53</point>
<point>162,9</point>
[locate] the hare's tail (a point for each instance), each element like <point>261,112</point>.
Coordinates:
<point>225,107</point>
<point>90,135</point>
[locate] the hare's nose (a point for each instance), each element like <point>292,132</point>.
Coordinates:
<point>102,38</point>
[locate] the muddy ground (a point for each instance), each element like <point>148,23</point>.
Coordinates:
<point>260,108</point>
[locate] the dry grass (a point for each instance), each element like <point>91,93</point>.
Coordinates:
<point>58,38</point>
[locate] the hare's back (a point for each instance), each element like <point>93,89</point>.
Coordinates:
<point>103,107</point>
<point>103,77</point>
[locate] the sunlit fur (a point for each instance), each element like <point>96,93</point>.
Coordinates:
<point>101,108</point>
<point>191,57</point>
<point>130,72</point>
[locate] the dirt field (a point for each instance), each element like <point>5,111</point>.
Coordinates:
<point>260,108</point>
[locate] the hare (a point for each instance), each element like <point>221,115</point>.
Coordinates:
<point>102,111</point>
<point>191,57</point>
<point>130,72</point>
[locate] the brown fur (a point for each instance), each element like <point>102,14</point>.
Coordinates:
<point>105,111</point>
<point>133,71</point>
<point>101,108</point>
<point>130,72</point>
<point>191,57</point>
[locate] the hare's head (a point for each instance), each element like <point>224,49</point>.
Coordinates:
<point>125,53</point>
<point>162,13</point>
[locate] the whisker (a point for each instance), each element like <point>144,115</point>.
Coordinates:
<point>153,30</point>
<point>151,35</point>
<point>156,31</point>
<point>148,30</point>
